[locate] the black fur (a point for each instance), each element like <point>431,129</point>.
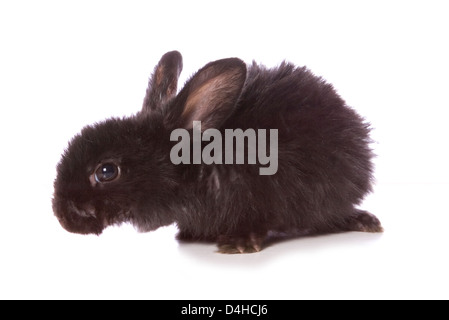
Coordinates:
<point>324,158</point>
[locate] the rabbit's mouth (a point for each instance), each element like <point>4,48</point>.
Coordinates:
<point>83,220</point>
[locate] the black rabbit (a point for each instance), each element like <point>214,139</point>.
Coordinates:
<point>121,170</point>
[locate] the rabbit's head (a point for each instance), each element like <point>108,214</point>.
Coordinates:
<point>120,170</point>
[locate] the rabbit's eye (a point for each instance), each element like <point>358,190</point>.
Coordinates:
<point>107,172</point>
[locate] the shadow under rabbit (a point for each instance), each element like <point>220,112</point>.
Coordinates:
<point>277,246</point>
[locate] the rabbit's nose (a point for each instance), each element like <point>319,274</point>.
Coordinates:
<point>84,210</point>
<point>77,218</point>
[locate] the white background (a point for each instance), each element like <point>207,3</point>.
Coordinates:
<point>67,64</point>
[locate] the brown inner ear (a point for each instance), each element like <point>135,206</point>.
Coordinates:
<point>201,99</point>
<point>211,97</point>
<point>171,90</point>
<point>159,75</point>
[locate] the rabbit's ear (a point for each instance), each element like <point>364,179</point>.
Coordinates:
<point>211,95</point>
<point>163,83</point>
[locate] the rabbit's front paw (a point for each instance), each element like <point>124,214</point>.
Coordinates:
<point>232,244</point>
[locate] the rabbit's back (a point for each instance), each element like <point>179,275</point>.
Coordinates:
<point>324,159</point>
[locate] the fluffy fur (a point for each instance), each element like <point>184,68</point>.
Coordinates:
<point>324,160</point>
